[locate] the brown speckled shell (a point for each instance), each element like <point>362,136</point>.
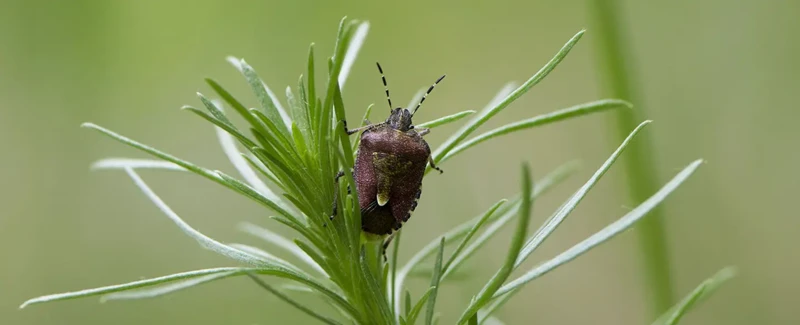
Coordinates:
<point>406,147</point>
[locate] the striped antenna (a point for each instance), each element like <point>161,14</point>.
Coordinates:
<point>385,86</point>
<point>426,94</point>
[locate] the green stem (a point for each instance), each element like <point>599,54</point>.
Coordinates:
<point>617,72</point>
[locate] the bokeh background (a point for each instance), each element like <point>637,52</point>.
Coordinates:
<point>719,78</point>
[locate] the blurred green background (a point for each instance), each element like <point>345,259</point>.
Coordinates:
<point>718,77</point>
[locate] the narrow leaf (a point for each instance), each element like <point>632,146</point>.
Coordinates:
<point>166,289</point>
<point>326,116</point>
<point>489,233</point>
<point>424,271</point>
<point>275,135</point>
<point>357,141</point>
<point>122,163</point>
<point>241,165</point>
<point>273,266</point>
<point>133,285</point>
<point>215,110</point>
<point>517,241</point>
<point>248,191</point>
<point>408,302</point>
<point>228,128</point>
<point>306,232</point>
<point>269,102</point>
<point>352,51</point>
<point>425,252</point>
<point>703,291</point>
<point>560,115</point>
<point>486,312</point>
<point>185,164</point>
<point>395,254</point>
<point>315,256</point>
<point>500,96</point>
<point>202,239</point>
<point>481,221</point>
<point>540,187</point>
<point>235,104</point>
<point>312,93</point>
<point>543,185</point>
<point>266,256</point>
<point>435,284</point>
<point>281,242</point>
<point>367,112</point>
<point>485,115</point>
<point>374,289</point>
<point>302,133</point>
<point>444,120</point>
<point>291,301</point>
<point>296,288</point>
<point>553,222</point>
<point>413,313</point>
<point>605,234</point>
<point>493,321</point>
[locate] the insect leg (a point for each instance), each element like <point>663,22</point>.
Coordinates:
<point>433,165</point>
<point>336,193</point>
<point>423,132</point>
<point>386,245</point>
<point>356,130</point>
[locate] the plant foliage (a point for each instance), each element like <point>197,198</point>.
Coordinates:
<point>287,156</point>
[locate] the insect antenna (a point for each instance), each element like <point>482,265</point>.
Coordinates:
<point>385,86</point>
<point>426,94</point>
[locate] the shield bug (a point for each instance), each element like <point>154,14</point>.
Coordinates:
<point>389,166</point>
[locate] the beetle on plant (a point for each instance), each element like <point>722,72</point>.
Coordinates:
<point>389,166</point>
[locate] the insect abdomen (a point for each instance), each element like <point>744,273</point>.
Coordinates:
<point>389,176</point>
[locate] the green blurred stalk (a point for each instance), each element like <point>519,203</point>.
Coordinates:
<point>617,74</point>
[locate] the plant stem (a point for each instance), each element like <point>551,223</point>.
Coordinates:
<point>617,74</point>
